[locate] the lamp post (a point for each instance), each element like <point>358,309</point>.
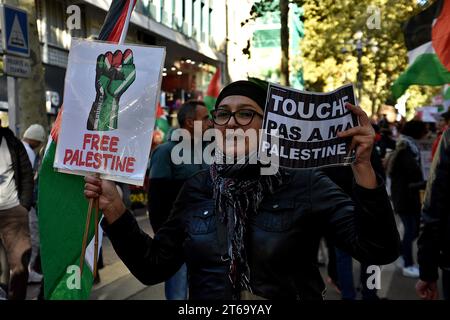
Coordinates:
<point>359,47</point>
<point>358,44</point>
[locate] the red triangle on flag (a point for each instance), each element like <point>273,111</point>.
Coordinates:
<point>214,85</point>
<point>159,111</point>
<point>440,35</point>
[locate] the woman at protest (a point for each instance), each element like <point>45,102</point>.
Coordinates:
<point>405,170</point>
<point>248,235</point>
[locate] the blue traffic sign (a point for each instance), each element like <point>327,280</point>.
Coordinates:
<point>15,31</point>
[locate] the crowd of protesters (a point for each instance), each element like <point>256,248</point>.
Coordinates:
<point>398,147</point>
<point>217,225</point>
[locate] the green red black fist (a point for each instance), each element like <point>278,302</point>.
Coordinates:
<point>114,75</point>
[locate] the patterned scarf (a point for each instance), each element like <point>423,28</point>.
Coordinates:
<point>238,191</point>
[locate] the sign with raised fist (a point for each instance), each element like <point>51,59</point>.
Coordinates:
<point>109,108</point>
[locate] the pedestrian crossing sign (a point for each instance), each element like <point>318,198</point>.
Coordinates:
<point>14,23</point>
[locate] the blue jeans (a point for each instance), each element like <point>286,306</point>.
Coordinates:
<point>344,263</point>
<point>344,268</point>
<point>411,226</point>
<point>176,287</point>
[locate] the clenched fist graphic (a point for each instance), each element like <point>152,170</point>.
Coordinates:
<point>114,75</point>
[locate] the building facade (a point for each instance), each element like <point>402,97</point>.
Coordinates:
<point>265,46</point>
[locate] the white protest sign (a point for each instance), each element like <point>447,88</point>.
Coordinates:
<point>300,127</point>
<point>429,113</point>
<point>110,98</point>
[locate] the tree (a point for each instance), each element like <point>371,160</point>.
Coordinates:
<point>329,56</point>
<point>284,37</point>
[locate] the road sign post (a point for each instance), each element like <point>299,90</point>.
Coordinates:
<point>12,104</point>
<point>15,43</point>
<point>15,38</point>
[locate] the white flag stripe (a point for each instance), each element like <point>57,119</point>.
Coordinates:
<point>89,255</point>
<point>414,53</point>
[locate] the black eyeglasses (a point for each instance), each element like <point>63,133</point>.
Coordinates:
<point>242,117</point>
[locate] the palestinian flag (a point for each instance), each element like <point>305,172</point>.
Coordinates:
<point>162,122</point>
<point>62,205</point>
<point>427,38</point>
<point>213,91</point>
<point>447,92</point>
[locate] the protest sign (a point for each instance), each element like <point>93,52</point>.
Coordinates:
<point>425,147</point>
<point>110,101</point>
<point>427,113</point>
<point>300,128</point>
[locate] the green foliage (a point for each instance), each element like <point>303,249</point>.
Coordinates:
<point>328,51</point>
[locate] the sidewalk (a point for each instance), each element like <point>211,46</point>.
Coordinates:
<point>116,282</point>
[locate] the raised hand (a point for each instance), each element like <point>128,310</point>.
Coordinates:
<point>363,138</point>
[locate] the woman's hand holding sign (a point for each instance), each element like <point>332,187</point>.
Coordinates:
<point>362,141</point>
<point>109,198</point>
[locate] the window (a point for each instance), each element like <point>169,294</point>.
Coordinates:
<point>269,38</point>
<point>55,15</point>
<point>143,6</point>
<point>210,22</point>
<point>193,15</point>
<point>165,12</point>
<point>202,7</point>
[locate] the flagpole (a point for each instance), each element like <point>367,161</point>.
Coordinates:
<point>127,22</point>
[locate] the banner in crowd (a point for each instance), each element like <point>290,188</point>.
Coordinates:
<point>429,113</point>
<point>300,128</point>
<point>425,146</point>
<point>110,101</point>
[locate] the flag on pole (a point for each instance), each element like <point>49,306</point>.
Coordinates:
<point>213,91</point>
<point>440,35</point>
<point>62,206</point>
<point>162,122</point>
<point>427,39</point>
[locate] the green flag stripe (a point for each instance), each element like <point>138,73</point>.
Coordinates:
<point>426,70</point>
<point>62,215</point>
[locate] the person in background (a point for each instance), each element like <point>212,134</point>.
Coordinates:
<point>33,139</point>
<point>386,144</point>
<point>405,171</point>
<point>384,122</point>
<point>16,197</point>
<point>342,271</point>
<point>434,237</point>
<point>442,125</point>
<point>166,180</point>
